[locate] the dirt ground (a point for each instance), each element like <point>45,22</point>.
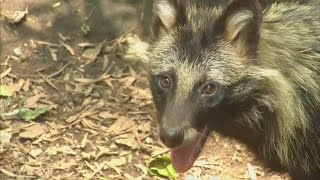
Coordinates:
<point>98,117</point>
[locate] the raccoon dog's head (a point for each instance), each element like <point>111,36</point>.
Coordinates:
<point>201,51</point>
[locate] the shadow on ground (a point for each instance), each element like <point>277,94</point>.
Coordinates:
<point>107,19</point>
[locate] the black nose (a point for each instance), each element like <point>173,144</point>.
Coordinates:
<point>171,137</point>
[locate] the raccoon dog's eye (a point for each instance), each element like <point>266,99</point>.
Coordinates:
<point>209,89</point>
<point>165,82</point>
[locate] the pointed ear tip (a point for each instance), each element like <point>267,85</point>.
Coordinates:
<point>242,18</point>
<point>249,3</point>
<point>166,15</point>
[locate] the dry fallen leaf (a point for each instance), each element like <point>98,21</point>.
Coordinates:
<point>84,141</point>
<point>5,137</point>
<point>63,38</point>
<point>149,140</point>
<point>142,168</point>
<point>251,172</point>
<point>85,45</point>
<point>86,81</point>
<point>128,81</point>
<point>105,62</point>
<point>5,73</point>
<point>128,176</point>
<point>109,83</point>
<point>145,127</point>
<point>64,164</point>
<point>31,170</point>
<point>8,173</point>
<point>32,101</point>
<point>66,150</point>
<point>68,48</point>
<point>95,170</point>
<point>17,87</point>
<point>105,151</point>
<point>128,140</point>
<point>107,115</point>
<point>92,53</point>
<point>118,162</point>
<point>46,43</point>
<point>89,124</point>
<point>115,168</point>
<point>141,93</point>
<point>35,152</point>
<point>159,151</point>
<point>56,4</point>
<point>53,53</point>
<point>89,156</point>
<point>90,165</point>
<point>121,125</point>
<point>51,151</point>
<point>6,90</point>
<point>26,85</point>
<point>33,131</point>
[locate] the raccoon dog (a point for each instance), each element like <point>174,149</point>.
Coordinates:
<point>240,71</point>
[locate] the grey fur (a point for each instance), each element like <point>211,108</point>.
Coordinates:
<point>275,86</point>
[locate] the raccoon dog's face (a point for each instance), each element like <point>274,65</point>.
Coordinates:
<point>197,56</point>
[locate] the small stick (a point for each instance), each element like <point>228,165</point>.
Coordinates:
<point>58,72</point>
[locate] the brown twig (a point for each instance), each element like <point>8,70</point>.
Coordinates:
<point>60,71</point>
<point>48,81</point>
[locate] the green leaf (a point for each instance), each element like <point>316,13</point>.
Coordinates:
<point>6,90</point>
<point>85,28</point>
<point>30,115</point>
<point>162,167</point>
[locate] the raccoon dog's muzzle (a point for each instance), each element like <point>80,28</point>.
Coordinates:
<point>185,142</point>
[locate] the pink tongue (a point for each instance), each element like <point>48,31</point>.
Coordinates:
<point>183,157</point>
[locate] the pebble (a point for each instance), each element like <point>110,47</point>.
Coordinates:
<point>17,52</point>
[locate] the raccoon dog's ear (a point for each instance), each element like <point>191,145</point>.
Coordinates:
<point>167,15</point>
<point>242,20</point>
